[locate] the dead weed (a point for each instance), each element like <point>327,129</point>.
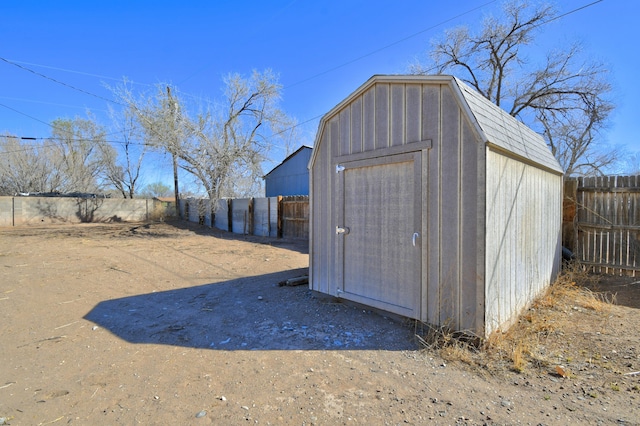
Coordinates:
<point>524,344</point>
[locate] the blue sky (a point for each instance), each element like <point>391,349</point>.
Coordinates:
<point>322,50</point>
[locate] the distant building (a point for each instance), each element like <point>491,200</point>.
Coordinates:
<point>291,177</point>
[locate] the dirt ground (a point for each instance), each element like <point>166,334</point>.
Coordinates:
<point>178,324</point>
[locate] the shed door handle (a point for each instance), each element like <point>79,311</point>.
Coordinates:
<point>413,239</point>
<point>340,230</point>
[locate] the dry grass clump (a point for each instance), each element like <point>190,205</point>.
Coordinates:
<point>450,345</point>
<point>520,346</point>
<point>571,289</point>
<point>157,214</point>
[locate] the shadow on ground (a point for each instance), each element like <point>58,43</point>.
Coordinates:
<point>253,313</point>
<point>295,244</point>
<point>624,291</point>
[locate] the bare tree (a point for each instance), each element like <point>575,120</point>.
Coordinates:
<point>158,116</point>
<point>223,146</point>
<point>123,171</point>
<point>229,144</point>
<point>81,152</point>
<point>554,97</point>
<point>25,167</point>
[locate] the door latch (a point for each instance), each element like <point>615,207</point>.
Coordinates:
<point>340,230</point>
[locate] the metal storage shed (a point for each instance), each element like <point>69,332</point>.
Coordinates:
<point>429,201</point>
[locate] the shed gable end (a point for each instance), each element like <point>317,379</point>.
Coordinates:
<point>384,116</point>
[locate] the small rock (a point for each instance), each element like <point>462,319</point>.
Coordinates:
<point>201,414</point>
<point>156,397</point>
<point>259,297</point>
<point>244,407</point>
<point>94,328</point>
<point>222,398</point>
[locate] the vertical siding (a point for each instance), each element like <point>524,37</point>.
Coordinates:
<point>369,119</point>
<point>451,191</point>
<point>344,142</point>
<point>431,264</point>
<point>382,116</point>
<point>471,315</point>
<point>454,203</point>
<point>398,115</point>
<point>413,113</point>
<point>320,256</point>
<point>356,126</point>
<point>523,229</point>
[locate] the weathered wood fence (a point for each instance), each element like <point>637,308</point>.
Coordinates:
<point>281,217</point>
<point>601,223</point>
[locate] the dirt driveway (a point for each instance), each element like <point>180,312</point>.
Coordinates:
<point>178,324</point>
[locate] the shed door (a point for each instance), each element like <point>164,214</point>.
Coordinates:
<point>378,232</point>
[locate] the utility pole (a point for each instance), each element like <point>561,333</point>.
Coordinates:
<point>173,146</point>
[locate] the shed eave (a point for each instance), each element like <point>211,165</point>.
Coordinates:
<point>525,160</point>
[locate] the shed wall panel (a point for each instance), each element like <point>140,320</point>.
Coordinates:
<point>321,210</point>
<point>334,132</point>
<point>413,113</point>
<point>523,226</point>
<point>382,116</point>
<point>345,132</point>
<point>431,130</point>
<point>471,230</point>
<point>450,209</point>
<point>356,125</point>
<point>369,117</point>
<point>398,118</point>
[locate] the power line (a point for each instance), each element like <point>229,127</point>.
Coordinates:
<point>25,148</point>
<point>74,71</point>
<point>373,52</point>
<point>43,122</point>
<point>17,64</point>
<point>60,82</point>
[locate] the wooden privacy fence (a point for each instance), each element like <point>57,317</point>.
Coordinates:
<point>601,223</point>
<point>293,216</point>
<point>282,217</point>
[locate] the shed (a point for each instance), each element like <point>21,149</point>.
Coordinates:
<point>291,177</point>
<point>431,202</point>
